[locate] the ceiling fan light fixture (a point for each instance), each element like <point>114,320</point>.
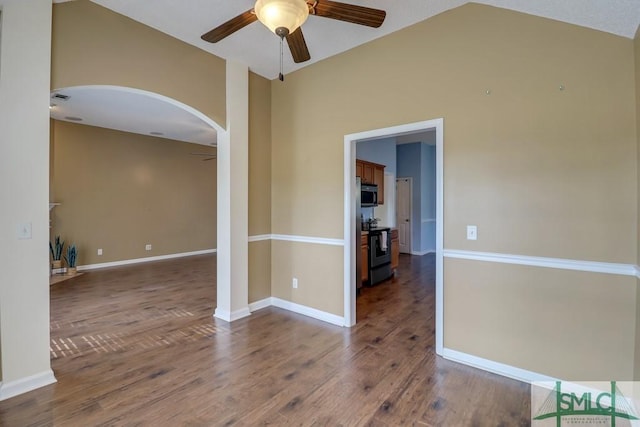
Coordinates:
<point>278,14</point>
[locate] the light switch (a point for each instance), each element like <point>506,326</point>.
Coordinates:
<point>472,232</point>
<point>24,231</point>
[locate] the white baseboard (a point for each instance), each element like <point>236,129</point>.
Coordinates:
<point>308,311</point>
<point>258,305</point>
<point>24,385</point>
<point>141,260</point>
<point>495,367</point>
<point>420,253</point>
<point>230,316</point>
<point>280,303</point>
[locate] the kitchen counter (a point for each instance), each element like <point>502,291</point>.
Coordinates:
<point>364,233</point>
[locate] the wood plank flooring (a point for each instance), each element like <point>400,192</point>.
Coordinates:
<point>138,346</point>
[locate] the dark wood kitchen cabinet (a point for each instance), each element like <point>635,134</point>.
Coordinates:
<point>364,247</point>
<point>372,173</point>
<point>368,173</point>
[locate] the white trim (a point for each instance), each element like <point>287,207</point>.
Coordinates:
<point>308,311</point>
<point>560,263</point>
<point>299,239</point>
<point>439,125</point>
<point>350,245</point>
<point>259,305</point>
<point>142,260</point>
<point>421,253</point>
<point>24,385</point>
<point>349,227</point>
<point>428,220</point>
<point>231,316</point>
<point>307,239</point>
<point>259,238</point>
<point>530,377</point>
<point>495,367</point>
<point>297,308</point>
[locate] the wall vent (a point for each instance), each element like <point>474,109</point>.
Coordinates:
<point>60,96</point>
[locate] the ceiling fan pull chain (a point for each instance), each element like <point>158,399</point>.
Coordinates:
<point>281,76</point>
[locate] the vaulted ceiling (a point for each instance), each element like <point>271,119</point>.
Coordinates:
<point>257,47</point>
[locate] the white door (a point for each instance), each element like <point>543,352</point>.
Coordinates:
<point>403,213</point>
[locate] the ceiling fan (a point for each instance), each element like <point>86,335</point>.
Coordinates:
<point>284,18</point>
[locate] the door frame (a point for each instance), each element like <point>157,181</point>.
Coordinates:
<point>350,245</point>
<point>410,180</point>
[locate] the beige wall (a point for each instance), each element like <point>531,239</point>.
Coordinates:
<point>317,269</point>
<point>24,185</point>
<point>259,270</point>
<point>120,191</point>
<point>568,324</point>
<point>636,44</point>
<point>93,45</point>
<point>259,186</point>
<point>540,171</point>
<point>259,155</point>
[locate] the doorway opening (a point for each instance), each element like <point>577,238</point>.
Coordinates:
<point>350,244</point>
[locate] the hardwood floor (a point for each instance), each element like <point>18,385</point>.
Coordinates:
<point>137,346</point>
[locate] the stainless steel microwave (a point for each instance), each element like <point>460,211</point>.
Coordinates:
<point>368,195</point>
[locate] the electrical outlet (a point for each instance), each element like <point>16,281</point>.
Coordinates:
<point>24,231</point>
<point>147,247</point>
<point>99,251</point>
<point>472,232</point>
<point>295,283</point>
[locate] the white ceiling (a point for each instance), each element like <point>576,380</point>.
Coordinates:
<point>131,110</point>
<point>254,45</point>
<point>257,47</point>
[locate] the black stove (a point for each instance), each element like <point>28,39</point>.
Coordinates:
<point>379,254</point>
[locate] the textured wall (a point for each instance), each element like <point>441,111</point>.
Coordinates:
<point>24,172</point>
<point>259,186</point>
<point>93,45</point>
<point>120,191</point>
<point>541,171</point>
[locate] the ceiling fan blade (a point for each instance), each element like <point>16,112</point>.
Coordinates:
<point>298,46</point>
<point>230,27</point>
<point>347,12</point>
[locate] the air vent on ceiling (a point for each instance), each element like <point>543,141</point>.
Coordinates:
<point>60,96</point>
<point>73,118</point>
